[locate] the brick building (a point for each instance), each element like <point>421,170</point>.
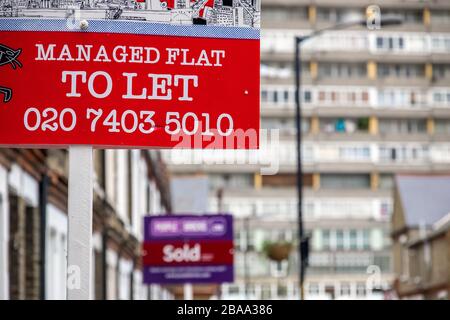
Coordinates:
<point>33,219</point>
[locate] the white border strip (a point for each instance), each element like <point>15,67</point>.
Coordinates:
<point>130,27</point>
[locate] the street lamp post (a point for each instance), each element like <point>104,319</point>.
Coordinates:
<point>303,242</point>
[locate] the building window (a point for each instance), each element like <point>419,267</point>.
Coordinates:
<point>385,209</point>
<point>408,16</point>
<point>234,181</point>
<point>354,153</point>
<point>353,240</point>
<point>441,71</point>
<point>99,167</point>
<point>361,289</point>
<point>399,126</point>
<point>345,181</point>
<point>380,42</point>
<point>56,253</point>
<point>286,126</point>
<point>403,153</point>
<point>365,239</point>
<point>340,240</point>
<point>280,70</point>
<point>285,180</point>
<point>337,15</point>
<point>264,95</point>
<point>383,261</point>
<point>440,17</point>
<point>400,70</point>
<point>275,97</point>
<point>266,292</point>
<point>442,126</point>
<point>322,95</point>
<point>238,240</point>
<point>286,95</point>
<point>390,43</point>
<point>342,125</point>
<point>282,290</point>
<point>125,268</point>
<point>307,96</point>
<point>400,98</point>
<point>313,288</point>
<point>343,96</point>
<point>440,43</point>
<point>338,70</point>
<point>281,14</point>
<point>441,98</point>
<point>386,182</point>
<point>279,269</point>
<point>326,239</point>
<point>345,289</point>
<point>234,290</point>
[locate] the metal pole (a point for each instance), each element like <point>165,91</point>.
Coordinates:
<point>79,260</point>
<point>219,211</point>
<point>298,41</point>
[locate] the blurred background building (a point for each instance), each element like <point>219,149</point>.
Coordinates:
<point>375,103</point>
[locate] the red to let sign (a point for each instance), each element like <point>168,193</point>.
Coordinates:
<point>128,84</point>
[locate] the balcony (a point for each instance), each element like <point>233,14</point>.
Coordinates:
<point>322,156</point>
<point>388,45</point>
<point>282,98</point>
<point>315,209</point>
<point>389,153</point>
<point>339,262</point>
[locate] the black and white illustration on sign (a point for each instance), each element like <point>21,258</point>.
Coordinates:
<point>8,56</point>
<point>229,13</point>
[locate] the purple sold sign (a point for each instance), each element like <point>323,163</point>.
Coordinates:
<point>188,249</point>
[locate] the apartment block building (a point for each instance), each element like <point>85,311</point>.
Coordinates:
<point>374,103</point>
<point>128,184</point>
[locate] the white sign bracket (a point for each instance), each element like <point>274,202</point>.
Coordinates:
<point>79,260</point>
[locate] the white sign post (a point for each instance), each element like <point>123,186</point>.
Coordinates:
<point>79,261</point>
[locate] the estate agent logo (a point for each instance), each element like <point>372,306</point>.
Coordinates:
<point>9,56</point>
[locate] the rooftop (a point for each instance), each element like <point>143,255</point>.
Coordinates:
<point>425,198</point>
